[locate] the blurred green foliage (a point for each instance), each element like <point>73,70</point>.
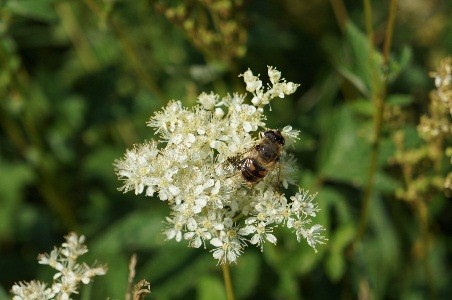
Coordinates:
<point>79,80</point>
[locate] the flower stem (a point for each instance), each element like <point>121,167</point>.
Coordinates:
<point>227,281</point>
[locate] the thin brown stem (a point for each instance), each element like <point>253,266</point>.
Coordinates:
<point>340,12</point>
<point>368,21</point>
<point>78,37</point>
<point>389,31</point>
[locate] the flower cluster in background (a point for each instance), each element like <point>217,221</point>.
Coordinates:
<point>210,202</point>
<point>421,165</point>
<point>69,273</point>
<point>436,126</point>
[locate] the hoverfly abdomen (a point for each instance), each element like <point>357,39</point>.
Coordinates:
<point>252,170</point>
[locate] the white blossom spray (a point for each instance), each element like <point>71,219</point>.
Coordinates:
<point>189,168</point>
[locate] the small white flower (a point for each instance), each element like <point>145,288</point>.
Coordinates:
<point>208,101</point>
<point>252,82</point>
<point>260,233</point>
<point>228,249</point>
<point>274,75</point>
<point>302,203</point>
<point>313,236</point>
<point>197,237</point>
<point>174,232</point>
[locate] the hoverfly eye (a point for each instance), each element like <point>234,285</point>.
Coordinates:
<point>275,136</point>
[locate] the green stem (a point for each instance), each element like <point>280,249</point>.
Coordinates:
<point>378,112</point>
<point>368,21</point>
<point>78,37</point>
<point>227,281</point>
<point>378,98</point>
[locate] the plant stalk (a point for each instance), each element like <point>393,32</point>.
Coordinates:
<point>340,12</point>
<point>378,98</point>
<point>227,281</point>
<point>389,31</point>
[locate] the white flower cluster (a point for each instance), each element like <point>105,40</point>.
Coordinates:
<point>69,275</point>
<point>210,201</point>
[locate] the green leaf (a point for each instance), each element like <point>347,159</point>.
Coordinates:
<point>287,287</point>
<point>360,51</point>
<point>13,179</point>
<point>335,262</point>
<point>400,64</point>
<point>33,9</point>
<point>3,293</point>
<point>246,274</point>
<point>399,100</point>
<point>345,155</point>
<point>139,230</point>
<point>185,277</point>
<point>357,81</point>
<point>354,60</point>
<point>210,288</point>
<point>335,266</point>
<point>114,283</point>
<point>380,251</point>
<point>331,200</point>
<point>363,107</point>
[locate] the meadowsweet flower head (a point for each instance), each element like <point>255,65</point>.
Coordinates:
<point>211,205</point>
<point>67,279</point>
